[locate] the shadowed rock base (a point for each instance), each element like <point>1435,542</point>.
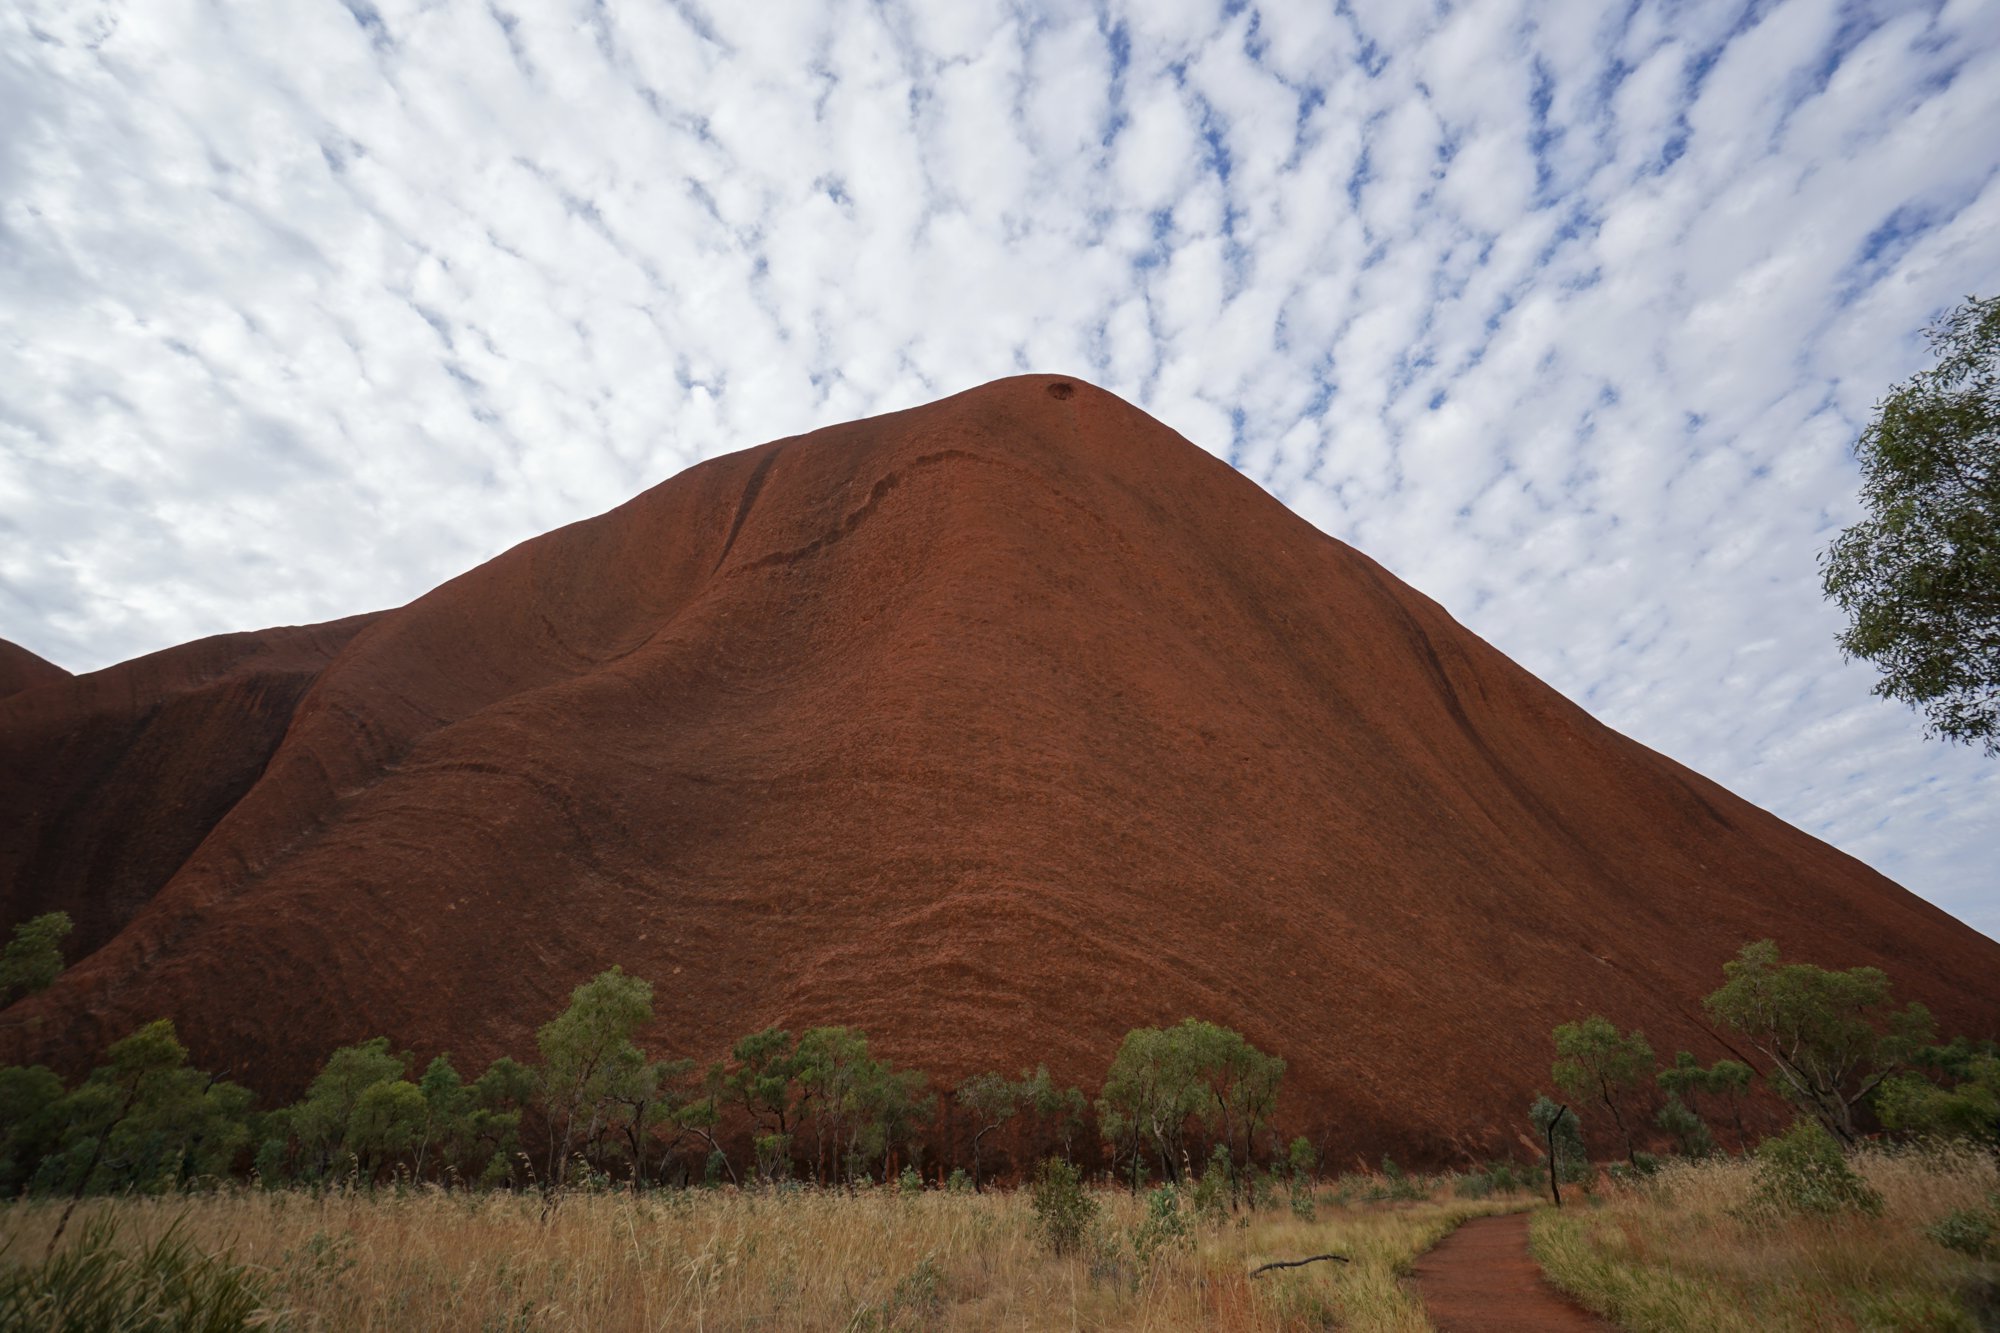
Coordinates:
<point>1482,1280</point>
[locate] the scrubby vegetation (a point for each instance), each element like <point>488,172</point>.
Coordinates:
<point>1798,1237</point>
<point>817,1107</point>
<point>803,1175</point>
<point>1821,1226</point>
<point>32,958</point>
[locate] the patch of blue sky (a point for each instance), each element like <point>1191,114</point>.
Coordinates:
<point>369,19</point>
<point>1884,248</point>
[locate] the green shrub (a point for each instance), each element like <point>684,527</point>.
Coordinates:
<point>1692,1138</point>
<point>93,1285</point>
<point>1399,1184</point>
<point>958,1182</point>
<point>1967,1230</point>
<point>1572,1163</point>
<point>1209,1199</point>
<point>920,1294</point>
<point>1500,1177</point>
<point>1063,1209</point>
<point>774,1156</point>
<point>1804,1171</point>
<point>1643,1164</point>
<point>909,1182</point>
<point>1300,1162</point>
<point>1165,1226</point>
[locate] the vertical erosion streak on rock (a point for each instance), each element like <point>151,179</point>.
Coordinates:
<point>750,489</point>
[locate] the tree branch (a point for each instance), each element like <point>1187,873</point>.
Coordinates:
<point>1296,1263</point>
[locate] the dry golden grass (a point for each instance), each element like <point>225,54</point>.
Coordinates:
<point>804,1260</point>
<point>1682,1251</point>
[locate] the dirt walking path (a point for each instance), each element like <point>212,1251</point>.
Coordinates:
<point>1481,1279</point>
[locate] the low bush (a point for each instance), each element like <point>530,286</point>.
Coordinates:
<point>1804,1171</point>
<point>1064,1210</point>
<point>1966,1230</point>
<point>1166,1225</point>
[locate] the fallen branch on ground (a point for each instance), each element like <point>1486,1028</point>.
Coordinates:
<point>1295,1263</point>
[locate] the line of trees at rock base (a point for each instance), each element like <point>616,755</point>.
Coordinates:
<point>818,1106</point>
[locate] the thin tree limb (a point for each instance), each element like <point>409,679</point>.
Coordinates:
<point>1296,1263</point>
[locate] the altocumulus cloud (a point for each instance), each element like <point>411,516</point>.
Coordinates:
<point>1567,316</point>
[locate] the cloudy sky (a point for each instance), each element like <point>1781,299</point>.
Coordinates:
<point>1567,313</point>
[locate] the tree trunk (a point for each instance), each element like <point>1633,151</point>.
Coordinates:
<point>975,1158</point>
<point>1554,1191</point>
<point>1631,1154</point>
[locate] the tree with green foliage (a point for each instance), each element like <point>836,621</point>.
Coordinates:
<point>895,1103</point>
<point>701,1115</point>
<point>1831,1037</point>
<point>33,959</point>
<point>148,1121</point>
<point>1241,1086</point>
<point>386,1125</point>
<point>1691,1134</point>
<point>586,1050</point>
<point>1058,1112</point>
<point>1559,1134</point>
<point>1919,576</point>
<point>143,1120</point>
<point>1163,1078</point>
<point>31,1123</point>
<point>1596,1062</point>
<point>465,1132</point>
<point>761,1077</point>
<point>1962,1103</point>
<point>831,1071</point>
<point>493,1131</point>
<point>643,1096</point>
<point>320,1122</point>
<point>1149,1093</point>
<point>991,1100</point>
<point>448,1112</point>
<point>1730,1080</point>
<point>860,1109</point>
<point>1701,1090</point>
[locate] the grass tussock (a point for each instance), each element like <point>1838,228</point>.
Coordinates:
<point>798,1260</point>
<point>1698,1247</point>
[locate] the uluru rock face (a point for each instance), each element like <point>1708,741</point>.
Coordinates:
<point>110,781</point>
<point>995,727</point>
<point>22,670</point>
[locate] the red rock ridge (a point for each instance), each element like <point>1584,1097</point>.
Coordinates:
<point>995,727</point>
<point>23,670</point>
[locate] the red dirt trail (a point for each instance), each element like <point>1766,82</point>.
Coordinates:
<point>995,727</point>
<point>1481,1279</point>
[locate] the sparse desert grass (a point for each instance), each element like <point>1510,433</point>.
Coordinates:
<point>1685,1251</point>
<point>799,1260</point>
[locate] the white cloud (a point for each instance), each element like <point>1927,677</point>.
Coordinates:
<point>1569,323</point>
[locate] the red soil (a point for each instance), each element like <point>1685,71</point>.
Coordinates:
<point>1481,1279</point>
<point>995,727</point>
